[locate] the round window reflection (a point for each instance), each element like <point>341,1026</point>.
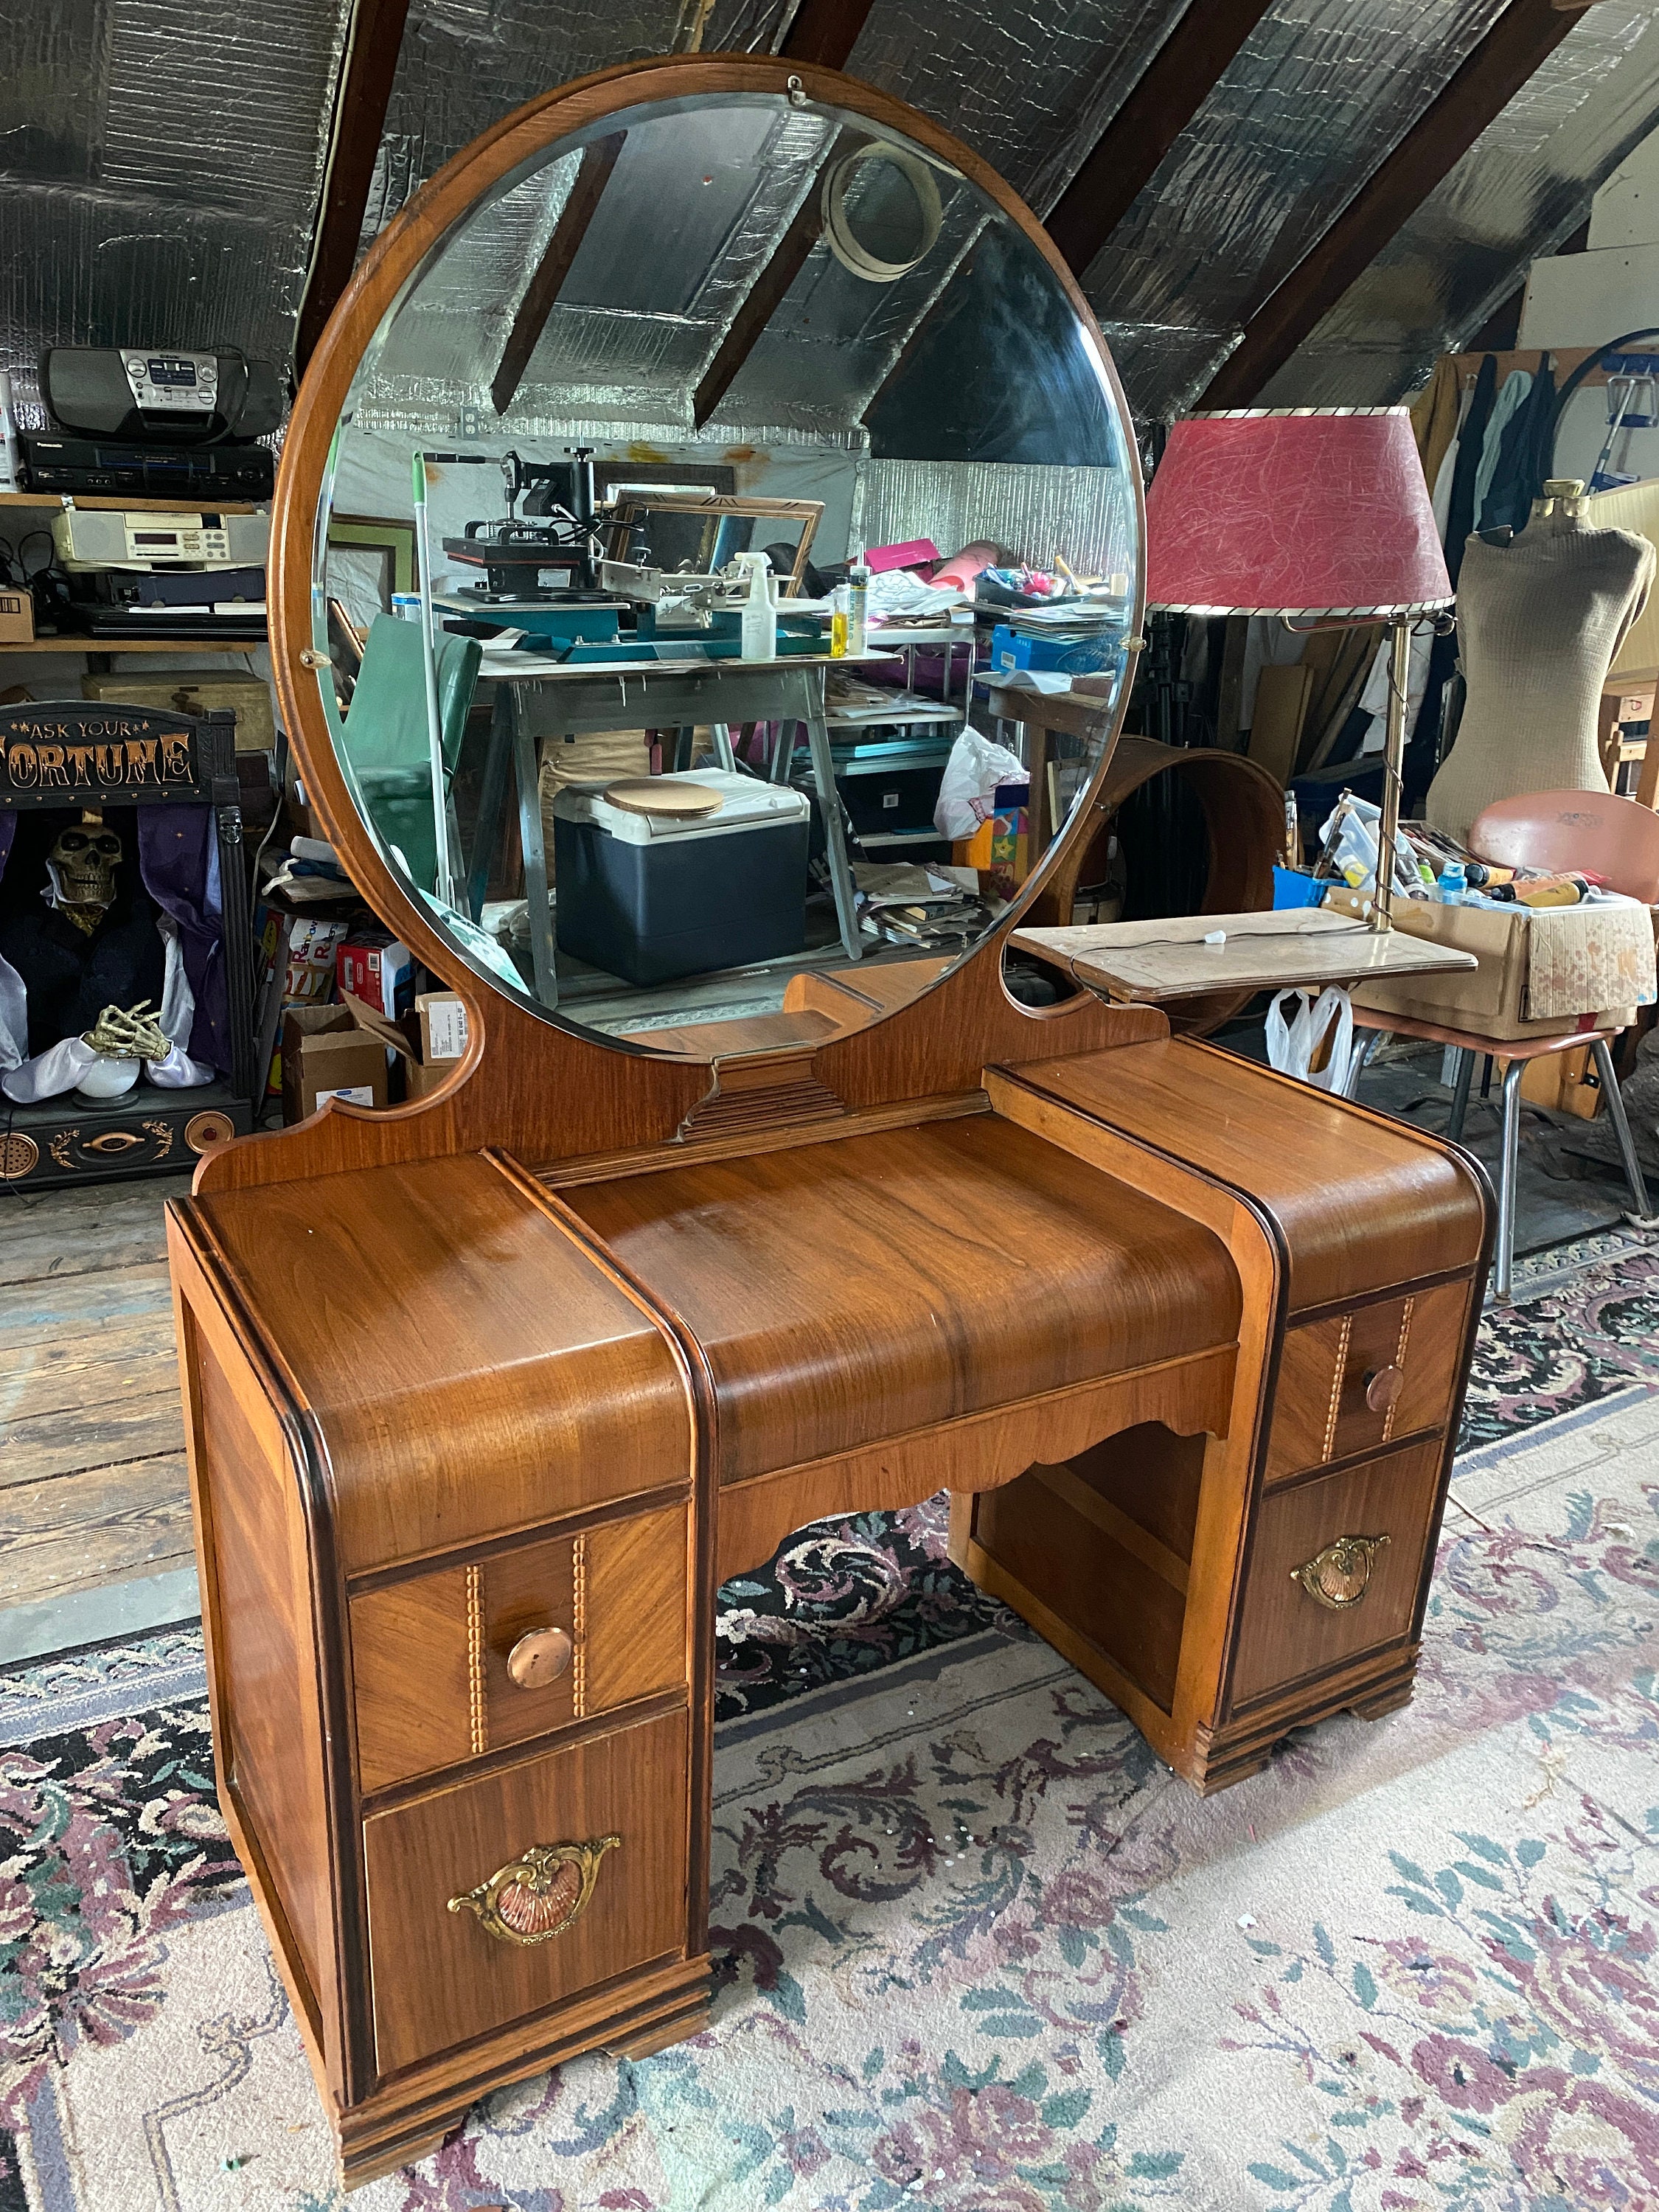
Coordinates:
<point>702,524</point>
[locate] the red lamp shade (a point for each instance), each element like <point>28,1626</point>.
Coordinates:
<point>1293,511</point>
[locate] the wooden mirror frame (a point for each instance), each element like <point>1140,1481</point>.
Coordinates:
<point>532,1083</point>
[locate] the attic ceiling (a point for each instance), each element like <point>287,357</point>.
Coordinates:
<point>163,168</point>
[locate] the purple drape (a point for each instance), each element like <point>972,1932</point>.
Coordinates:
<point>179,861</point>
<point>8,831</point>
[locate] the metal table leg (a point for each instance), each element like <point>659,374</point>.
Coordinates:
<point>498,767</point>
<point>835,840</point>
<point>721,734</point>
<point>1504,1273</point>
<point>1460,1106</point>
<point>535,857</point>
<point>1643,1217</point>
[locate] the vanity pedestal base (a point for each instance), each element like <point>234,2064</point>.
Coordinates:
<point>1226,1590</point>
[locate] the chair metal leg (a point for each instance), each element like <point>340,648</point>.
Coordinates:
<point>1505,1272</point>
<point>1361,1060</point>
<point>723,753</point>
<point>1643,1215</point>
<point>1460,1106</point>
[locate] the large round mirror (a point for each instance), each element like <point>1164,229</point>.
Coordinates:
<point>716,488</point>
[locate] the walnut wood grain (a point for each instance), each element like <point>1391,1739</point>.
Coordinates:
<point>1283,1634</point>
<point>429,1849</point>
<point>1091,1635</point>
<point>978,1453</point>
<point>385,1297</point>
<point>847,1292</point>
<point>1360,1199</point>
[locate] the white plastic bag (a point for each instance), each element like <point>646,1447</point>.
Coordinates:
<point>968,790</point>
<point>1294,1039</point>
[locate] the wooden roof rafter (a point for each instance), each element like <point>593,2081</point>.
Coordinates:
<point>541,294</point>
<point>1162,102</point>
<point>1518,42</point>
<point>362,96</point>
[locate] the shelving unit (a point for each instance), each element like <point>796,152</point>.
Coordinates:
<point>100,648</point>
<point>135,503</point>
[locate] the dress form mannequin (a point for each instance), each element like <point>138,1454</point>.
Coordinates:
<point>1540,618</point>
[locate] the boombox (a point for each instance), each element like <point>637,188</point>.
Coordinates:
<point>172,399</point>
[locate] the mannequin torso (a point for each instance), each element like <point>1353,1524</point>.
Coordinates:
<point>1539,619</point>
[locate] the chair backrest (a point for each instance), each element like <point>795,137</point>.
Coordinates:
<point>386,733</point>
<point>1616,838</point>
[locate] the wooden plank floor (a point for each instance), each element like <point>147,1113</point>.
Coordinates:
<point>91,1462</point>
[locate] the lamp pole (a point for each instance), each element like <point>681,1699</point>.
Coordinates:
<point>1393,756</point>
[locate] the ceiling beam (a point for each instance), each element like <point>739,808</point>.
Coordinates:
<point>766,295</point>
<point>1521,37</point>
<point>825,32</point>
<point>1180,78</point>
<point>598,160</point>
<point>361,98</point>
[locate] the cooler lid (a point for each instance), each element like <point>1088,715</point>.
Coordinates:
<point>740,802</point>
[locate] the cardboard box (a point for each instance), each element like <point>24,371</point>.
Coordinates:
<point>193,691</point>
<point>378,970</point>
<point>328,1053</point>
<point>1490,999</point>
<point>443,1026</point>
<point>16,618</point>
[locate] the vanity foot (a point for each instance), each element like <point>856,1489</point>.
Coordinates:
<point>663,2034</point>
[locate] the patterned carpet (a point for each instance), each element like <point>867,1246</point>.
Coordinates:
<point>979,1951</point>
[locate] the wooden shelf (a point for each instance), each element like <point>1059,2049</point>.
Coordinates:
<point>137,645</point>
<point>131,503</point>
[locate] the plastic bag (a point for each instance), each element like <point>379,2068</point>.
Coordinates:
<point>1294,1040</point>
<point>968,790</point>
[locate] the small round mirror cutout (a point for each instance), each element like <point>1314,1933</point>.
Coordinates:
<point>539,1658</point>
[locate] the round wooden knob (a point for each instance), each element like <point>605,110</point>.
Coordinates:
<point>1382,1387</point>
<point>539,1657</point>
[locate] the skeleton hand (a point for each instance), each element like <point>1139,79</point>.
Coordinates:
<point>129,1034</point>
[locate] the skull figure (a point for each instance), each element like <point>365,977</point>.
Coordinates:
<point>82,864</point>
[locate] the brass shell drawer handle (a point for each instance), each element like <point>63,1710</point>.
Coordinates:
<point>1340,1576</point>
<point>1382,1387</point>
<point>540,1657</point>
<point>536,1896</point>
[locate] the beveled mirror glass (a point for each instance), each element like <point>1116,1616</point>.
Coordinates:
<point>735,438</point>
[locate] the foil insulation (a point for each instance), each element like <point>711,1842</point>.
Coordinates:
<point>163,164</point>
<point>1087,515</point>
<point>1519,190</point>
<point>466,63</point>
<point>1030,89</point>
<point>1318,94</point>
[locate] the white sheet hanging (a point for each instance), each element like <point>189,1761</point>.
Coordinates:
<point>61,1066</point>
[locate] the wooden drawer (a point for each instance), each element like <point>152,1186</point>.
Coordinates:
<point>429,1656</point>
<point>1284,1631</point>
<point>1331,1398</point>
<point>444,1972</point>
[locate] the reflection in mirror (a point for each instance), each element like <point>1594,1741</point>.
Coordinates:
<point>741,445</point>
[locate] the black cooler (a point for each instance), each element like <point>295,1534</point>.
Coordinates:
<point>650,896</point>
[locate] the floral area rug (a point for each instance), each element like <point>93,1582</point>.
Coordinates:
<point>978,1951</point>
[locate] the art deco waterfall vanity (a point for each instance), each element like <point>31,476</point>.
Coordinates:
<point>487,1393</point>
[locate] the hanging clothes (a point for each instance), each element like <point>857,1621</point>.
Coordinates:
<point>1529,446</point>
<point>1435,415</point>
<point>1511,400</point>
<point>1460,519</point>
